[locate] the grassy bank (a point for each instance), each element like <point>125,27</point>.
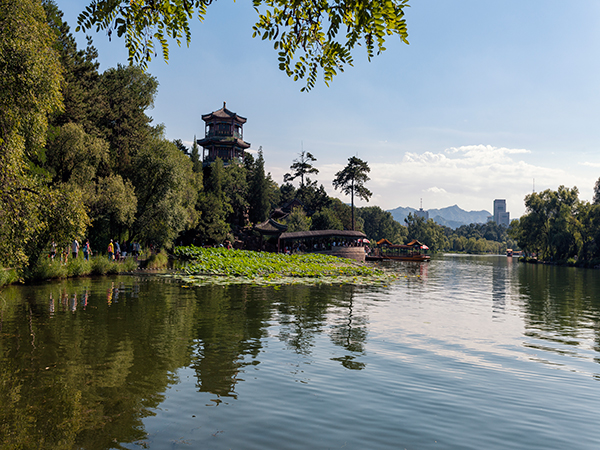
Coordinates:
<point>46,269</point>
<point>222,266</point>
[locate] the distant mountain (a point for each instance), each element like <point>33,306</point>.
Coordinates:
<point>400,213</point>
<point>452,216</point>
<point>447,223</point>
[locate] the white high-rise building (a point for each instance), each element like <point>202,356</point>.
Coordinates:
<point>501,215</point>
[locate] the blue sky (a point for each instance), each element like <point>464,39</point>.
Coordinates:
<point>488,96</point>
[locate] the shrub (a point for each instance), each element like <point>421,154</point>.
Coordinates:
<point>8,276</point>
<point>129,265</point>
<point>78,267</point>
<point>46,269</point>
<point>100,265</point>
<point>158,261</point>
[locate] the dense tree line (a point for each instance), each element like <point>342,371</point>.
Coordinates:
<point>487,237</point>
<point>557,226</point>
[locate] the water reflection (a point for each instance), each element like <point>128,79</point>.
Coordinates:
<point>83,363</point>
<point>561,307</point>
<point>349,331</point>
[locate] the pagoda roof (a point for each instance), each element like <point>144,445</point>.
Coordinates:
<point>270,227</point>
<point>223,113</point>
<point>223,140</point>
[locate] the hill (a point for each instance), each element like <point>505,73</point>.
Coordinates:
<point>451,216</point>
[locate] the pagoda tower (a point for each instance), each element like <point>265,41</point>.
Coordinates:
<point>223,137</point>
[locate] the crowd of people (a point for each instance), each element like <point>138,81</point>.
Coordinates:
<point>116,251</point>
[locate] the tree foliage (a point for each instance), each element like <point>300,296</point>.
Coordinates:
<point>326,219</point>
<point>550,226</point>
<point>301,168</point>
<point>261,190</point>
<point>380,224</point>
<point>351,181</point>
<point>298,221</point>
<point>29,91</point>
<point>426,231</point>
<point>311,38</point>
<point>164,186</point>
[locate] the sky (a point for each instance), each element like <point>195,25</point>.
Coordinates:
<point>491,100</point>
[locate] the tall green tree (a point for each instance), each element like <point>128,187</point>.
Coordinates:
<point>301,168</point>
<point>314,198</point>
<point>298,220</point>
<point>80,83</point>
<point>351,181</point>
<point>112,209</point>
<point>310,36</point>
<point>195,156</point>
<point>72,155</point>
<point>126,92</point>
<point>427,232</point>
<point>236,191</point>
<point>326,219</point>
<point>29,91</point>
<point>213,209</point>
<point>379,224</point>
<point>260,193</point>
<point>549,226</point>
<point>166,195</point>
<point>596,199</point>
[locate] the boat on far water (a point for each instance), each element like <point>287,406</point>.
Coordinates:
<point>413,251</point>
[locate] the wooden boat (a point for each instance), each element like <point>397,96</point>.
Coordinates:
<point>413,251</point>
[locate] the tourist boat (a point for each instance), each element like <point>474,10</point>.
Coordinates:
<point>413,251</point>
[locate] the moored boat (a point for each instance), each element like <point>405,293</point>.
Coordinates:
<point>413,251</point>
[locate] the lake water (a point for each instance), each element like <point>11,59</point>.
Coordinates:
<point>465,352</point>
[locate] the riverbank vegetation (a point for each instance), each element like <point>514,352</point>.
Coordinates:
<point>558,227</point>
<point>48,269</point>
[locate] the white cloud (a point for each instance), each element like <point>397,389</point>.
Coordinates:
<point>471,176</point>
<point>436,190</point>
<point>590,164</point>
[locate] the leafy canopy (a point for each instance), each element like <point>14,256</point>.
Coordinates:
<point>310,36</point>
<point>352,178</point>
<point>301,168</point>
<point>351,181</point>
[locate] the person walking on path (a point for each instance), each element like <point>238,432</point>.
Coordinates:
<point>87,251</point>
<point>111,250</point>
<point>75,248</point>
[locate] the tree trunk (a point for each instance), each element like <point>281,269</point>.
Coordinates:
<point>352,201</point>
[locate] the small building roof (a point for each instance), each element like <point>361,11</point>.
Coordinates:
<point>270,227</point>
<point>323,234</point>
<point>224,113</point>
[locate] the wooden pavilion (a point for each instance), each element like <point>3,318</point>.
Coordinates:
<point>223,137</point>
